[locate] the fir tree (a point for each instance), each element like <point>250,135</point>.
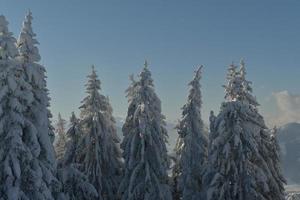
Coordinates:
<point>38,113</point>
<point>74,135</point>
<point>269,146</point>
<point>238,165</point>
<point>35,74</point>
<point>144,148</point>
<point>98,152</point>
<point>22,173</point>
<point>76,185</point>
<point>193,151</point>
<point>60,145</point>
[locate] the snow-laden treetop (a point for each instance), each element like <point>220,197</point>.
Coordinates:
<point>191,110</point>
<point>7,41</point>
<point>146,75</point>
<point>95,101</point>
<point>27,42</point>
<point>238,88</point>
<point>195,93</point>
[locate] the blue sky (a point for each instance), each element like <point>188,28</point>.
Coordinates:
<point>174,36</point>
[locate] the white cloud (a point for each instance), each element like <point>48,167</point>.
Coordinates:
<point>288,108</point>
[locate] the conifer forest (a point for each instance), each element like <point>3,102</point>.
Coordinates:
<point>237,156</point>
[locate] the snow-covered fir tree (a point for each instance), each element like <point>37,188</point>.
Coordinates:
<point>239,167</point>
<point>144,148</point>
<point>74,135</point>
<point>269,146</point>
<point>60,145</point>
<point>29,57</point>
<point>14,152</point>
<point>98,151</point>
<point>193,150</point>
<point>76,185</point>
<point>23,174</point>
<point>38,113</point>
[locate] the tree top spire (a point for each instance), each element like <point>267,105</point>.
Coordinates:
<point>242,63</point>
<point>242,69</point>
<point>146,63</point>
<point>29,15</point>
<point>198,72</point>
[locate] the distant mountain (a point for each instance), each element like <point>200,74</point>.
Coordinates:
<point>289,140</point>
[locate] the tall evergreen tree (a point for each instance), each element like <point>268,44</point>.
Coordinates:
<point>269,146</point>
<point>238,164</point>
<point>60,145</point>
<point>144,148</point>
<point>193,151</point>
<point>38,113</point>
<point>98,152</point>
<point>35,73</point>
<point>21,170</point>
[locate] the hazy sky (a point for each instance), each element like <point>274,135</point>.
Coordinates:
<point>175,37</point>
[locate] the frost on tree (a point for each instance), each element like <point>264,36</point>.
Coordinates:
<point>38,114</point>
<point>60,145</point>
<point>98,152</point>
<point>144,148</point>
<point>22,173</point>
<point>240,153</point>
<point>193,150</point>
